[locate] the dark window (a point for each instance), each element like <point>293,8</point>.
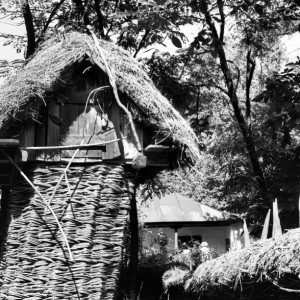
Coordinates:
<point>227,243</point>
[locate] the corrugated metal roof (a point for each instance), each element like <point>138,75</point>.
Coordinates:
<point>177,208</point>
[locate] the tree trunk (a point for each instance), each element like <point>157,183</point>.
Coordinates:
<point>134,247</point>
<point>244,127</point>
<point>31,44</point>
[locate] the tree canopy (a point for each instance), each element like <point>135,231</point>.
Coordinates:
<point>246,118</point>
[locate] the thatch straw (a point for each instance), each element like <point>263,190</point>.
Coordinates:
<point>175,277</point>
<point>56,56</point>
<point>268,261</point>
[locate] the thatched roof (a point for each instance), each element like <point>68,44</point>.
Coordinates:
<point>56,55</point>
<point>273,261</point>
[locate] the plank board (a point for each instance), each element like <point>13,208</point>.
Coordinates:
<point>91,153</point>
<point>70,123</point>
<point>79,125</point>
<point>40,127</point>
<point>129,144</point>
<point>113,131</point>
<point>53,132</point>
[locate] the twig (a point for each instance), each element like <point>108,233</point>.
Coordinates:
<point>45,202</point>
<point>68,184</point>
<point>64,173</point>
<point>50,19</point>
<point>115,89</point>
<point>139,295</point>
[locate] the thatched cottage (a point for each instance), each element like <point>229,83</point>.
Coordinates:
<point>268,269</point>
<point>68,166</point>
<point>183,219</point>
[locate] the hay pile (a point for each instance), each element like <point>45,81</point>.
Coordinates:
<point>56,57</point>
<point>175,277</point>
<point>35,262</point>
<point>276,262</point>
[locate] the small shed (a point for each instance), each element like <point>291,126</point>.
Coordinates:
<point>68,158</point>
<point>182,219</point>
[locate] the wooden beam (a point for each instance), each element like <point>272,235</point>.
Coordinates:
<point>83,146</point>
<point>176,238</point>
<point>277,231</point>
<point>264,234</point>
<point>9,143</point>
<point>158,149</point>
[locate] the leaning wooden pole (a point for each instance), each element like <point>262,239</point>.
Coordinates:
<point>277,231</point>
<point>246,234</point>
<point>265,231</point>
<point>115,89</point>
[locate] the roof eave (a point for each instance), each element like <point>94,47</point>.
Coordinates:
<point>179,224</point>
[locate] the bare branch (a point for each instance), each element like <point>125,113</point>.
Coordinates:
<point>50,19</point>
<point>142,42</point>
<point>222,27</point>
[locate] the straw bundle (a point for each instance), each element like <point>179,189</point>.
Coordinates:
<point>273,261</point>
<point>35,262</point>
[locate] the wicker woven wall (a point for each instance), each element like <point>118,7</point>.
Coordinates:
<point>35,263</point>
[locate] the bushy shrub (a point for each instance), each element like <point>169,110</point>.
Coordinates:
<point>160,256</point>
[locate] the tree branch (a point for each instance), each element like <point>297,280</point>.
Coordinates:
<point>221,89</point>
<point>143,41</point>
<point>248,138</point>
<point>100,18</point>
<point>185,64</point>
<point>250,71</point>
<point>53,12</point>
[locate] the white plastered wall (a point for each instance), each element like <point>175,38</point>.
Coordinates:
<point>215,236</point>
<point>236,239</point>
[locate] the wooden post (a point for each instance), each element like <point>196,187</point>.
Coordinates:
<point>246,234</point>
<point>4,213</point>
<point>264,234</point>
<point>134,246</point>
<point>176,238</point>
<point>299,210</point>
<point>277,231</point>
